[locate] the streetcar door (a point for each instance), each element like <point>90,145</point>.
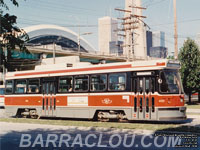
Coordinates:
<point>152,110</point>
<point>49,98</point>
<point>141,98</point>
<point>147,97</point>
<point>144,96</point>
<point>135,97</point>
<point>138,99</point>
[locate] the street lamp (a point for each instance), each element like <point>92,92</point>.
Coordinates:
<point>79,34</point>
<point>79,44</point>
<point>54,49</point>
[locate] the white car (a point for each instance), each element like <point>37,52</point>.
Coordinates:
<point>194,97</point>
<point>2,92</point>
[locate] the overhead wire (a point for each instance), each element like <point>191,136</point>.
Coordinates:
<point>62,9</point>
<point>50,6</point>
<point>33,22</point>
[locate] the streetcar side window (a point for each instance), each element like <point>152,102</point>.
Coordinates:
<point>9,87</point>
<point>2,91</point>
<point>140,85</point>
<point>81,83</point>
<point>117,82</point>
<point>65,84</point>
<point>98,82</point>
<point>153,84</point>
<point>147,85</point>
<point>20,86</point>
<point>135,85</point>
<point>33,86</point>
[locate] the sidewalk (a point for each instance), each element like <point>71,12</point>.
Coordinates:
<point>2,113</point>
<point>195,114</point>
<point>193,111</point>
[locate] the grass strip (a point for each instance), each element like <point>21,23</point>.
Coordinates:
<point>116,125</point>
<point>193,107</point>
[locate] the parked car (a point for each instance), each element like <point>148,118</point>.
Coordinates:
<point>194,97</point>
<point>2,92</point>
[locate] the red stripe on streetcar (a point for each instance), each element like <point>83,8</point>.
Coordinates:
<point>195,94</point>
<point>160,64</point>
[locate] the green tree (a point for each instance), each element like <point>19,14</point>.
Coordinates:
<point>189,57</point>
<point>198,77</point>
<point>11,37</point>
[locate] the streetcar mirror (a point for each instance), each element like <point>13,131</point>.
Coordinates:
<point>159,81</point>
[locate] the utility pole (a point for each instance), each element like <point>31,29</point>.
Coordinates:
<point>140,49</point>
<point>79,44</point>
<point>175,33</point>
<point>133,28</point>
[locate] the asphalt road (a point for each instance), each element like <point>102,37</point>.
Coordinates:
<point>21,136</point>
<point>2,111</point>
<point>17,136</point>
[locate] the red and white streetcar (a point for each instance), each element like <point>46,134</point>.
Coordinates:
<point>140,90</point>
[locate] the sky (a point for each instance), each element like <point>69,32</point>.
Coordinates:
<point>70,13</point>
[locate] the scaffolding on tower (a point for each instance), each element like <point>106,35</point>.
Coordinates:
<point>132,30</point>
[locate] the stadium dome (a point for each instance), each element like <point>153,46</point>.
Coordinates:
<point>41,35</point>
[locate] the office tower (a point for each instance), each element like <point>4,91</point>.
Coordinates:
<point>107,33</point>
<point>158,39</point>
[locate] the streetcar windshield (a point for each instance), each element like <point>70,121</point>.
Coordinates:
<point>170,82</point>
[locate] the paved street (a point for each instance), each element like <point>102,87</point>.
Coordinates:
<point>2,113</point>
<point>35,136</point>
<point>195,120</point>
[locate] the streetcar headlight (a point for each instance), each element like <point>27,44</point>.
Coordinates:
<point>181,100</point>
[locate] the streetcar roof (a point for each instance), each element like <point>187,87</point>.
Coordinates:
<point>87,68</point>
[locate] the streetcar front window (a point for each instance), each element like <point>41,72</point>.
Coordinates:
<point>170,82</point>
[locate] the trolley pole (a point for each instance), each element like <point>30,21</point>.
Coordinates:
<point>175,33</point>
